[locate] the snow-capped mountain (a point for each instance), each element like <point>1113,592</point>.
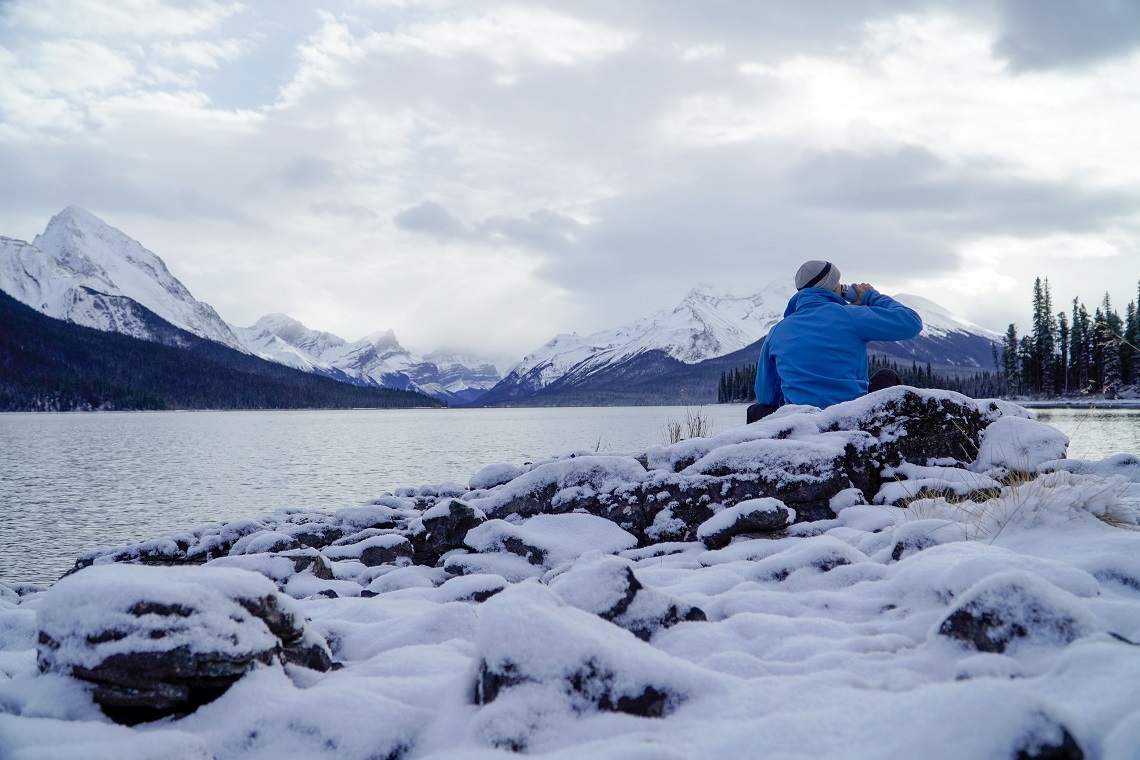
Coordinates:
<point>704,327</point>
<point>84,271</point>
<point>377,359</point>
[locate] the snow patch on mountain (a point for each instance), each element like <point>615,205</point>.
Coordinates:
<point>706,325</point>
<point>377,359</point>
<point>703,326</point>
<point>938,321</point>
<point>84,271</point>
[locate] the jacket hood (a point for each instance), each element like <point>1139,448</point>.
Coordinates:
<point>810,296</point>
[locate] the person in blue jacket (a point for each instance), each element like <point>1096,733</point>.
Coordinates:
<point>817,354</point>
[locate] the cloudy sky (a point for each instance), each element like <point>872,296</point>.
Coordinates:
<point>487,174</point>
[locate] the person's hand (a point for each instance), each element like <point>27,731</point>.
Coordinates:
<point>861,289</point>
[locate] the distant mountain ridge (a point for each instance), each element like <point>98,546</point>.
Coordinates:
<point>87,272</point>
<point>676,356</point>
<point>377,359</point>
<point>49,364</point>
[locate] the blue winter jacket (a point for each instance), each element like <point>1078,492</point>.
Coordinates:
<point>817,354</point>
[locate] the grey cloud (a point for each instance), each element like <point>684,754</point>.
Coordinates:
<point>540,230</point>
<point>56,176</point>
<point>980,195</point>
<point>727,219</point>
<point>340,208</point>
<point>543,230</point>
<point>433,219</point>
<point>1041,34</point>
<point>308,171</point>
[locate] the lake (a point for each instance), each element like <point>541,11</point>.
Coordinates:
<point>72,482</point>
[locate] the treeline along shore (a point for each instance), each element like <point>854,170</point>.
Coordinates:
<point>50,365</point>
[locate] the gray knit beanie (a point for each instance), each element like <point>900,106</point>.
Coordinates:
<point>817,274</point>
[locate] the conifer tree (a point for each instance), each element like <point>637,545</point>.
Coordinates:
<point>1041,358</point>
<point>1063,353</point>
<point>1010,360</point>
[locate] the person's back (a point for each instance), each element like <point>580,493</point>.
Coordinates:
<point>817,354</point>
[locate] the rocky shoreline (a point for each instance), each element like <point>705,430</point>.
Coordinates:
<point>584,580</point>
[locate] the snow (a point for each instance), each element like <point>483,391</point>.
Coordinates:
<point>704,325</point>
<point>1020,445</point>
<point>81,269</point>
<point>551,540</point>
<point>1000,627</point>
<point>727,517</point>
<point>78,610</point>
<point>938,321</point>
<point>376,359</point>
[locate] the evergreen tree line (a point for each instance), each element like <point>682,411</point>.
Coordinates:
<point>737,385</point>
<point>1070,353</point>
<point>50,365</point>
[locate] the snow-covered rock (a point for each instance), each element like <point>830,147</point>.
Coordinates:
<point>158,641</point>
<point>999,619</point>
<point>751,516</point>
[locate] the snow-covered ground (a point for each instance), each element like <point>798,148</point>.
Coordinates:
<point>996,615</point>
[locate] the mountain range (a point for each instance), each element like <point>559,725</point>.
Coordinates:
<point>84,271</point>
<point>676,355</point>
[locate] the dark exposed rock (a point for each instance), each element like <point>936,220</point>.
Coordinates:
<point>317,535</point>
<point>607,587</point>
<point>1048,740</point>
<point>752,516</point>
<point>445,526</point>
<point>1008,608</point>
<point>312,561</point>
<point>374,556</point>
<point>918,427</point>
<point>138,687</point>
<point>170,639</point>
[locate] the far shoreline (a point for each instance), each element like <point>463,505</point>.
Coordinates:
<point>1125,403</point>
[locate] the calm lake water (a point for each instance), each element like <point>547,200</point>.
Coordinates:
<point>72,482</point>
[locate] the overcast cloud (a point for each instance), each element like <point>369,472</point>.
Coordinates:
<point>484,175</point>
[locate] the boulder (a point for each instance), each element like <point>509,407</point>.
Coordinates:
<point>444,527</point>
<point>765,515</point>
<point>159,641</point>
<point>550,540</point>
<point>922,427</point>
<point>530,645</point>
<point>607,587</point>
<point>1015,608</point>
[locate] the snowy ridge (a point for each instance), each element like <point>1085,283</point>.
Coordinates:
<point>703,326</point>
<point>938,321</point>
<point>84,271</point>
<point>377,359</point>
<point>706,326</point>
